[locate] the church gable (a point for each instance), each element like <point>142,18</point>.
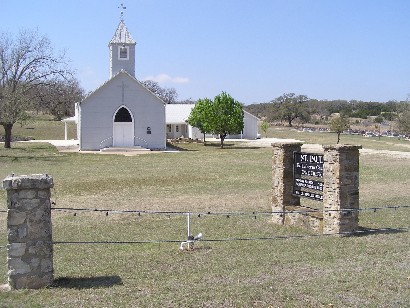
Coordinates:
<point>99,112</point>
<point>122,112</point>
<point>123,87</point>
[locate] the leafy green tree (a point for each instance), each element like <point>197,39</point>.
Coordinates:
<point>379,119</point>
<point>27,62</point>
<point>389,116</point>
<point>290,106</point>
<point>265,127</point>
<point>223,116</point>
<point>200,116</point>
<point>403,120</point>
<point>226,116</point>
<point>339,125</point>
<point>318,108</point>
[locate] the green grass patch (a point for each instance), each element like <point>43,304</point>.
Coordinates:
<point>309,271</point>
<point>42,127</point>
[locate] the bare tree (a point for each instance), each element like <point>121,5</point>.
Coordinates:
<point>168,95</point>
<point>27,61</point>
<point>58,99</point>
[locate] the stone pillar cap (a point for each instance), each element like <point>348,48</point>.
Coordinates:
<point>286,144</point>
<point>341,147</point>
<point>39,181</point>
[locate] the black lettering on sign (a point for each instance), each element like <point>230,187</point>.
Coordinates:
<point>310,184</point>
<point>308,164</point>
<point>308,194</point>
<point>305,167</point>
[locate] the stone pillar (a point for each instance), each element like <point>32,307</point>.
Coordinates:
<point>341,189</point>
<point>30,245</point>
<point>282,179</point>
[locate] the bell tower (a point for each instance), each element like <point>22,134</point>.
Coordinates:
<point>122,50</point>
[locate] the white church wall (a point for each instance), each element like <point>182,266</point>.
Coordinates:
<point>98,110</point>
<point>97,118</point>
<point>250,128</point>
<point>194,133</point>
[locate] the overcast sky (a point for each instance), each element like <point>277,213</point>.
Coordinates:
<point>255,50</point>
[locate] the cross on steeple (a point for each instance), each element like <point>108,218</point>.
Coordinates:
<point>122,7</point>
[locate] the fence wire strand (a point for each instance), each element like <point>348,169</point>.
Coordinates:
<point>232,239</point>
<point>305,211</point>
<point>229,214</point>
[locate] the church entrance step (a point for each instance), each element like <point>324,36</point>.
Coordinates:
<point>124,149</point>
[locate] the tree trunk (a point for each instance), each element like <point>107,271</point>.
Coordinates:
<point>290,122</point>
<point>7,135</point>
<point>338,138</point>
<point>222,137</point>
<point>204,139</point>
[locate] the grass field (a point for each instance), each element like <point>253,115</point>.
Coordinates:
<point>370,270</point>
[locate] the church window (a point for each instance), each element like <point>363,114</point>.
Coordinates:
<point>169,128</point>
<point>123,53</point>
<point>177,128</point>
<point>123,115</point>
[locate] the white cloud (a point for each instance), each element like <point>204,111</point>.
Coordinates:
<point>163,78</point>
<point>180,80</point>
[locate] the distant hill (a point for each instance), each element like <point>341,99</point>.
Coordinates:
<point>324,108</point>
<point>262,110</point>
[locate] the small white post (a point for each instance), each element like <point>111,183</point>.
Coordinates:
<point>188,226</point>
<point>65,131</point>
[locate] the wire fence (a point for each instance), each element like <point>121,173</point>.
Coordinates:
<point>253,213</point>
<point>270,238</point>
<point>228,214</point>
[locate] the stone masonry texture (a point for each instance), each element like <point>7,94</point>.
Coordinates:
<point>30,245</point>
<point>340,191</point>
<point>282,179</point>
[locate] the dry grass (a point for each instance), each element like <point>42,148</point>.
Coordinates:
<point>312,271</point>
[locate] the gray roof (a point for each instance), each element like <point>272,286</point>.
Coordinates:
<point>122,35</point>
<point>178,113</point>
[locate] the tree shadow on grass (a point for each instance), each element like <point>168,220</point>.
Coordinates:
<point>371,231</point>
<point>231,146</point>
<point>244,148</point>
<point>178,148</point>
<point>30,152</point>
<point>86,282</point>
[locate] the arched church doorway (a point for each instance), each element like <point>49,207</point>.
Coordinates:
<point>123,135</point>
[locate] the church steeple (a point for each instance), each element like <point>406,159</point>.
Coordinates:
<point>122,50</point>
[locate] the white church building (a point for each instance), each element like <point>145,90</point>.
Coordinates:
<point>124,113</point>
<point>121,112</point>
<point>177,114</point>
